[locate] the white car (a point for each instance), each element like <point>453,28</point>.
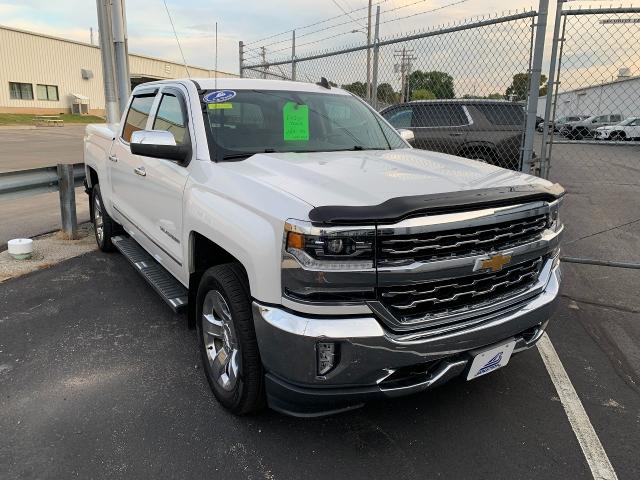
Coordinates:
<point>628,129</point>
<point>323,261</point>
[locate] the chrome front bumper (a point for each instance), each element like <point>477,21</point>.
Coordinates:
<point>369,355</point>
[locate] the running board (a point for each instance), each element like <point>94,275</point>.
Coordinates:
<point>170,289</point>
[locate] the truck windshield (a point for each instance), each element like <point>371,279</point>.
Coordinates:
<point>241,123</point>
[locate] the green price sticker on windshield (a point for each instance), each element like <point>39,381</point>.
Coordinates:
<point>295,122</point>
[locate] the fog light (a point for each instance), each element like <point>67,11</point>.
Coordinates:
<point>326,356</point>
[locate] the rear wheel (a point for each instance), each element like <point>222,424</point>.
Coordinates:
<point>104,226</point>
<point>227,338</point>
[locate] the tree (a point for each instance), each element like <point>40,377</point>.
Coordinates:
<point>495,96</point>
<point>422,94</point>
<point>519,88</point>
<point>386,94</point>
<point>357,88</point>
<point>438,83</point>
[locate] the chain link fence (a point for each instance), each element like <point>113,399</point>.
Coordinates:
<point>467,89</point>
<point>462,88</point>
<point>592,145</point>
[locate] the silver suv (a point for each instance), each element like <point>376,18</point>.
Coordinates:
<point>587,127</point>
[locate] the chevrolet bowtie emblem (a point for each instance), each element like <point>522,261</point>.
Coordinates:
<point>494,263</point>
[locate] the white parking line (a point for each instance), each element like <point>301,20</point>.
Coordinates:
<point>596,457</point>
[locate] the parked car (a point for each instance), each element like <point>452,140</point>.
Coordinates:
<point>561,122</point>
<point>323,261</point>
<point>486,130</point>
<point>628,129</point>
<point>585,128</point>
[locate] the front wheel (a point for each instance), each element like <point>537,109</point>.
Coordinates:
<point>227,338</point>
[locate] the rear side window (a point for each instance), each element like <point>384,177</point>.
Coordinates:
<point>137,115</point>
<point>171,117</point>
<point>400,118</point>
<point>439,115</point>
<point>616,118</point>
<point>502,114</point>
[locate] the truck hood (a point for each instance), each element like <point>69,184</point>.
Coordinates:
<point>371,177</point>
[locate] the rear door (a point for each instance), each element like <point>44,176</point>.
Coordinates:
<point>125,183</point>
<point>440,127</point>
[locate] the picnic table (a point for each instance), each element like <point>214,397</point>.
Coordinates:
<point>48,120</point>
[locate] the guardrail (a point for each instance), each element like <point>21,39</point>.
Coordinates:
<point>63,178</point>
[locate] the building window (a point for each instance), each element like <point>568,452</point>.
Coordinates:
<point>20,91</point>
<point>47,92</point>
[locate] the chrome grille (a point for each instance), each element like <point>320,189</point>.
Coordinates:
<point>428,246</point>
<point>430,300</point>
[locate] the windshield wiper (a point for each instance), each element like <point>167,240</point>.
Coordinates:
<point>238,156</point>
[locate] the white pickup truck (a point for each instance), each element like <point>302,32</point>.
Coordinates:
<point>323,261</point>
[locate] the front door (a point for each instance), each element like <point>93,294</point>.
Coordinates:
<point>164,181</point>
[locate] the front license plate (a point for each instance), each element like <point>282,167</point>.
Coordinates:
<point>490,359</point>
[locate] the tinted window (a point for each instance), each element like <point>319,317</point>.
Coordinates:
<point>171,117</point>
<point>616,118</point>
<point>400,118</point>
<point>137,115</point>
<point>439,115</point>
<point>499,114</point>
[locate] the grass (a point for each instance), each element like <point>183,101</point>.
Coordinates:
<point>24,119</point>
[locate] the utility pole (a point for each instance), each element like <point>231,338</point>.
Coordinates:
<point>241,57</point>
<point>263,53</point>
<point>406,57</point>
<point>119,26</point>
<point>369,98</point>
<point>91,34</point>
<point>108,62</point>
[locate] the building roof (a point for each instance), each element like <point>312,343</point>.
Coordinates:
<point>604,84</point>
<point>89,45</point>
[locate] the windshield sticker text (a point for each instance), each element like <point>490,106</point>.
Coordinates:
<point>219,106</point>
<point>295,122</point>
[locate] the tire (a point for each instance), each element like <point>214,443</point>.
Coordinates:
<point>104,227</point>
<point>227,338</point>
<point>617,136</point>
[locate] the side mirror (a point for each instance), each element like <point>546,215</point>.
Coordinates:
<point>158,144</point>
<point>407,135</point>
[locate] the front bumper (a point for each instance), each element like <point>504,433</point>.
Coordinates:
<point>374,362</point>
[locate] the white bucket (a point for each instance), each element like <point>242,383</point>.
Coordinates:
<point>20,248</point>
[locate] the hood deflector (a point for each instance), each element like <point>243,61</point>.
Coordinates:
<point>396,209</point>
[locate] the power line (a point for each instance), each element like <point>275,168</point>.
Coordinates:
<point>348,14</point>
<point>343,23</point>
<point>312,24</point>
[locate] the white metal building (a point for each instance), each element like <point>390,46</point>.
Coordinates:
<point>621,96</point>
<point>44,74</point>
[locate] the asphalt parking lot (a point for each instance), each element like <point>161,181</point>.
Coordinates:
<point>98,379</point>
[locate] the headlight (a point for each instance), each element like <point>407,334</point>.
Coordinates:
<point>554,216</point>
<point>330,248</point>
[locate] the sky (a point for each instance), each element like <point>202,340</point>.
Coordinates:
<point>248,20</point>
<point>150,32</point>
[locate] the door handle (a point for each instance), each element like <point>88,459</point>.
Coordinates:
<point>456,134</point>
<point>113,158</point>
<point>140,171</point>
